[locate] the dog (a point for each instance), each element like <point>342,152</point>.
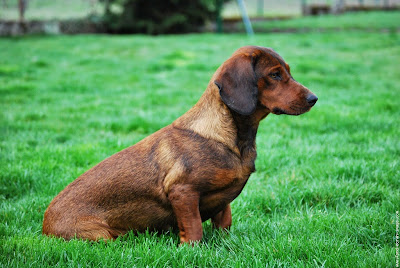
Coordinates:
<point>189,171</point>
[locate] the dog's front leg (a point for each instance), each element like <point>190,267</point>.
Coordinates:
<point>185,203</point>
<point>223,219</point>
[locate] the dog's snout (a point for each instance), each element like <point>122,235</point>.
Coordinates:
<point>311,99</point>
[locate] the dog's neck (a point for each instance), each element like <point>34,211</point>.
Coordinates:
<point>212,119</point>
<point>247,127</point>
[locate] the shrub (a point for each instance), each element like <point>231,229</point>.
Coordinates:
<point>159,16</point>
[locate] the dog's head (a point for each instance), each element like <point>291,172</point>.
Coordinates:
<point>259,76</point>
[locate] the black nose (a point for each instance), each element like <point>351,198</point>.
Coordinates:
<point>311,99</point>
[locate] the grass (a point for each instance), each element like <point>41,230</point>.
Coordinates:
<point>327,183</point>
<point>371,21</point>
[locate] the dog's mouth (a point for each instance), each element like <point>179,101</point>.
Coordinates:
<point>293,110</point>
<point>278,111</point>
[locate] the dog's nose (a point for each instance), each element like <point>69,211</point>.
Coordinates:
<point>311,99</point>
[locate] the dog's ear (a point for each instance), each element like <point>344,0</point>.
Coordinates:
<point>237,84</point>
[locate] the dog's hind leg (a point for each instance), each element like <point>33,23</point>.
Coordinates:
<point>95,229</point>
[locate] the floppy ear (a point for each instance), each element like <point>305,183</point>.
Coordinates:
<point>237,84</point>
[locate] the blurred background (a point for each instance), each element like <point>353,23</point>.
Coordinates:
<point>160,17</point>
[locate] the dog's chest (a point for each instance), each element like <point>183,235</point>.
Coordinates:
<point>231,178</point>
<point>223,189</point>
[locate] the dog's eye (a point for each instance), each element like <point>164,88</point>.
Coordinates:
<point>275,76</point>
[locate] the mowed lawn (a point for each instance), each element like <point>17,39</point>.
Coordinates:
<point>327,185</point>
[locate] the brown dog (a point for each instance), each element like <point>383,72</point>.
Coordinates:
<point>189,171</point>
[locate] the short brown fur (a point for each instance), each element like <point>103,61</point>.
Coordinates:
<point>189,171</point>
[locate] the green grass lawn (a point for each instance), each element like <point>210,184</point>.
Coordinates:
<point>327,183</point>
<point>370,21</point>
